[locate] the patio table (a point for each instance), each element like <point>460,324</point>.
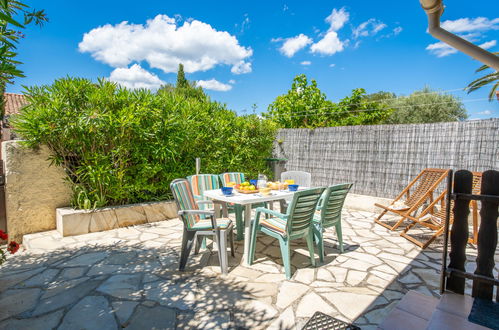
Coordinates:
<point>247,200</point>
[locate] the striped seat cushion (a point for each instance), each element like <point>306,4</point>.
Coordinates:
<point>222,223</point>
<point>275,224</point>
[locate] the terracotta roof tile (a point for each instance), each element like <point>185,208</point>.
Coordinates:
<point>13,103</point>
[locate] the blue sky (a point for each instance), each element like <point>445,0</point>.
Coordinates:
<point>247,53</point>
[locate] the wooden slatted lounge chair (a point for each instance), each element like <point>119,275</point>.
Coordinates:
<point>433,216</point>
<point>199,223</point>
<point>296,223</point>
<point>419,191</point>
<point>330,207</point>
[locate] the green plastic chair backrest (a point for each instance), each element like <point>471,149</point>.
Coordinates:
<point>184,199</point>
<point>332,203</point>
<point>236,177</point>
<point>201,182</point>
<point>301,210</point>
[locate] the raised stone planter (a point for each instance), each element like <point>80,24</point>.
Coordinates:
<point>72,222</point>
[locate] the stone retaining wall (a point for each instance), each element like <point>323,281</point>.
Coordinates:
<point>72,222</point>
<point>33,189</point>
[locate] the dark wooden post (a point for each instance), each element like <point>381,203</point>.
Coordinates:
<point>443,277</point>
<point>463,181</point>
<point>487,236</point>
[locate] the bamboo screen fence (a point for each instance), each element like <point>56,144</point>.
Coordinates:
<point>382,159</point>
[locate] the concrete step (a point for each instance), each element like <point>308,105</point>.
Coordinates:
<point>417,311</point>
<point>413,312</point>
<point>452,313</point>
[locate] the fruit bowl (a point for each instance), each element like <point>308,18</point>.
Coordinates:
<point>277,185</point>
<point>247,191</point>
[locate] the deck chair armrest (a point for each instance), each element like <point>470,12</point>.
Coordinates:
<point>271,212</point>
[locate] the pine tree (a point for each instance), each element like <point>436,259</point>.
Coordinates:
<point>181,81</point>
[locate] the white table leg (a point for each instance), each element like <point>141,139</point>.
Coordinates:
<point>247,232</point>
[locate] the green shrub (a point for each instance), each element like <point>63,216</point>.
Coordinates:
<point>121,146</point>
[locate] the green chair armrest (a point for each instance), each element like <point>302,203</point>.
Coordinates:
<point>211,214</point>
<point>271,212</point>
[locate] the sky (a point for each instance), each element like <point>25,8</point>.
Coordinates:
<point>247,53</point>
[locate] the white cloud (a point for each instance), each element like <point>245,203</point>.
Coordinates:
<point>368,28</point>
<point>214,85</point>
<point>328,45</point>
<point>397,30</point>
<point>441,49</point>
<point>306,63</point>
<point>471,24</point>
<point>163,44</point>
<point>292,45</point>
<point>332,65</point>
<point>232,81</point>
<point>241,67</point>
<point>135,77</point>
<point>488,44</point>
<point>471,29</point>
<point>337,19</point>
<point>245,24</point>
<point>485,113</point>
<point>331,43</point>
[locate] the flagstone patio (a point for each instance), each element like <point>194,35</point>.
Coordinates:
<point>128,278</point>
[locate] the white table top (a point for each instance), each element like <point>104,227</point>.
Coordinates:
<point>245,199</point>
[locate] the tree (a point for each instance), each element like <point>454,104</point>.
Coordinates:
<point>488,79</point>
<point>305,105</point>
<point>10,34</point>
<point>181,81</point>
<point>425,106</point>
<point>184,87</point>
<point>299,107</point>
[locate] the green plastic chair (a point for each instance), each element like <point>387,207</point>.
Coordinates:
<point>330,207</point>
<point>237,177</point>
<point>200,223</point>
<point>296,223</point>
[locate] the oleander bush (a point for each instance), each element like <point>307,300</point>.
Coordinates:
<point>121,146</point>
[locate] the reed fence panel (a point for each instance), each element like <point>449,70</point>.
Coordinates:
<point>382,159</point>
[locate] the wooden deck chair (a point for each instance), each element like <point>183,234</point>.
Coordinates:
<point>419,191</point>
<point>433,216</point>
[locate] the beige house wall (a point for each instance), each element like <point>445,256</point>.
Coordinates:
<point>33,190</point>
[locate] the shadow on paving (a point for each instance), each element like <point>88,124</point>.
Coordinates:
<point>421,274</point>
<point>115,286</point>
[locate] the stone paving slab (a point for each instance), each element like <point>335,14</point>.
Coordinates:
<point>128,278</point>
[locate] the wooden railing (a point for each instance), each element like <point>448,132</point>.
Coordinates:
<point>454,274</point>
